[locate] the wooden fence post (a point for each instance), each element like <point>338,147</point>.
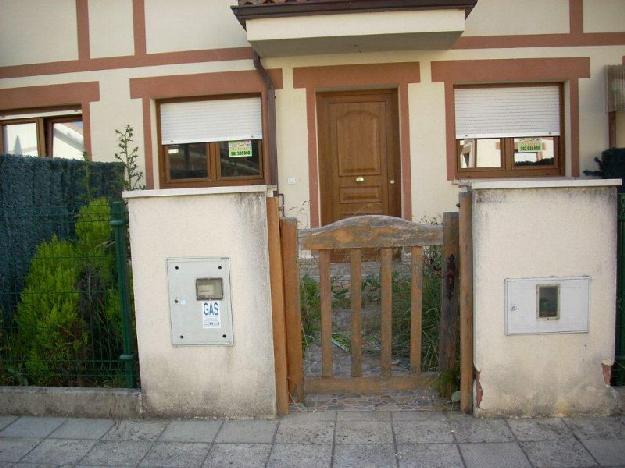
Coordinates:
<point>466,304</point>
<point>290,266</point>
<point>450,318</point>
<point>277,305</point>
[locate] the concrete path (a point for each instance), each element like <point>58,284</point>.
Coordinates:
<point>340,439</point>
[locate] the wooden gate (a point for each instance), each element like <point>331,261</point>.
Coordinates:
<point>355,235</point>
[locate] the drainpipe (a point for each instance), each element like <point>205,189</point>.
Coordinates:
<point>271,120</point>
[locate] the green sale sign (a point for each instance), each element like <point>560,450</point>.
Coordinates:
<point>240,149</point>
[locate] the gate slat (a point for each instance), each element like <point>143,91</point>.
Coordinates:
<point>416,312</point>
<point>386,326</point>
<point>356,280</point>
<point>325,291</point>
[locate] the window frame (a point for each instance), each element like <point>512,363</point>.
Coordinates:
<point>508,168</point>
<point>214,178</point>
<point>49,126</point>
<point>45,126</point>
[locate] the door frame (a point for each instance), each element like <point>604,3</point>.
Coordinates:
<point>393,150</point>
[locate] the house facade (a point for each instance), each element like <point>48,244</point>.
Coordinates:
<point>348,106</point>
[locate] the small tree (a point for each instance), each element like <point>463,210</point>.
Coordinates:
<point>69,319</point>
<point>128,156</point>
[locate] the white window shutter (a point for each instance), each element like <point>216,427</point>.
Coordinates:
<point>507,112</point>
<point>211,120</point>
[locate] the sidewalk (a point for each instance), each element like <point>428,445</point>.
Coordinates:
<point>329,438</point>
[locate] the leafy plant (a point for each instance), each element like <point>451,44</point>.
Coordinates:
<point>128,156</point>
<point>50,332</point>
<point>340,296</point>
<point>310,304</point>
<point>68,315</point>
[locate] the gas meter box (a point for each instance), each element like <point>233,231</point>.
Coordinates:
<point>547,305</point>
<point>199,301</point>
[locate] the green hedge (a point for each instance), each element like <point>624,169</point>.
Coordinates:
<point>39,198</point>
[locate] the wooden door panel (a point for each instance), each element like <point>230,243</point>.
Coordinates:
<point>358,134</point>
<point>358,154</point>
<point>360,194</point>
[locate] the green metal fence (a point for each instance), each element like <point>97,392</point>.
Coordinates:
<point>618,374</point>
<point>65,306</point>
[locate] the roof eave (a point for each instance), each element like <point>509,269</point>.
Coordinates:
<point>327,7</point>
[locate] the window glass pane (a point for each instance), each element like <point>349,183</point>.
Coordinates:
<point>535,151</point>
<point>188,161</point>
<point>20,139</point>
<point>240,158</point>
<point>68,140</point>
<point>476,153</point>
<point>548,301</point>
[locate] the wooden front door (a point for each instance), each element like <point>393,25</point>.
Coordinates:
<point>359,172</point>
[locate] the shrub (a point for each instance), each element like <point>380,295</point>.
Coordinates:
<point>37,199</point>
<point>68,317</point>
<point>50,332</point>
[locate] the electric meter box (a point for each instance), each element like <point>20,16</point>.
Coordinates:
<point>200,308</point>
<point>547,305</point>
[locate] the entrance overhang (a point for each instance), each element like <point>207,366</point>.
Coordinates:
<point>341,26</point>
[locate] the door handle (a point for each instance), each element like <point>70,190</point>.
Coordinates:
<point>360,180</point>
<point>392,182</point>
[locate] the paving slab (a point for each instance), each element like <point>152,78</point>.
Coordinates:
<point>82,429</point>
<point>135,430</point>
<point>300,455</point>
<point>32,465</point>
<point>12,450</point>
<point>31,427</point>
<point>418,416</point>
<point>191,431</point>
<point>310,416</point>
<point>176,454</point>
<point>239,455</point>
<point>357,456</point>
<point>59,451</point>
<point>429,456</point>
<point>505,455</point>
<point>247,432</point>
<point>557,453</point>
<point>364,432</point>
<point>468,429</point>
<point>420,432</point>
<point>597,428</point>
<point>116,453</point>
<point>384,416</point>
<point>297,432</point>
<point>540,429</point>
<point>6,420</point>
<point>607,452</point>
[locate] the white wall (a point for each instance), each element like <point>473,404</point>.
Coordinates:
<point>604,15</point>
<point>191,381</point>
<point>45,31</point>
<point>523,233</point>
<point>106,16</point>
<point>509,17</point>
<point>191,25</point>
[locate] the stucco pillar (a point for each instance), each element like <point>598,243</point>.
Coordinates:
<point>203,380</point>
<point>543,232</point>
